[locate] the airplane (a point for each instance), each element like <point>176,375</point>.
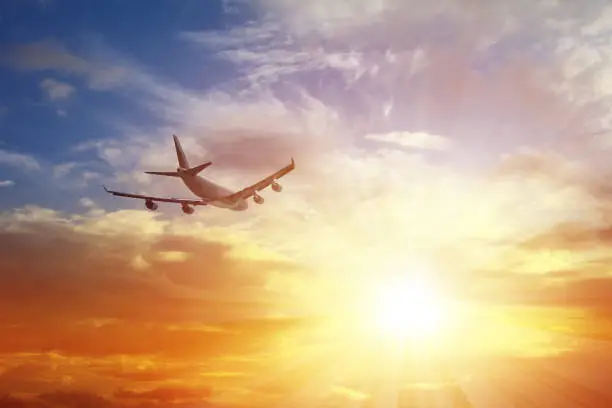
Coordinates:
<point>208,193</point>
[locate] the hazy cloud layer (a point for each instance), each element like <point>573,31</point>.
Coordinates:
<point>463,140</point>
<point>19,160</point>
<point>50,55</point>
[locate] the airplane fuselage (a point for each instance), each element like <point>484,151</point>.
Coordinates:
<point>209,190</point>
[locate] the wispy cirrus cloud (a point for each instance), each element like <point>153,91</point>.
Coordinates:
<point>18,160</point>
<point>462,92</point>
<point>51,55</point>
<point>418,140</point>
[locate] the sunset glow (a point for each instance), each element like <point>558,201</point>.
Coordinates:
<point>443,237</point>
<point>410,308</point>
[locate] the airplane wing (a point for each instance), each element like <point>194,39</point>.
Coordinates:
<point>260,185</point>
<point>187,201</point>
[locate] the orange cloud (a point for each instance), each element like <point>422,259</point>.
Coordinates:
<point>78,314</point>
<point>167,395</point>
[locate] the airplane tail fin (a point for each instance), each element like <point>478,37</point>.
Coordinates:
<point>180,154</point>
<point>183,163</point>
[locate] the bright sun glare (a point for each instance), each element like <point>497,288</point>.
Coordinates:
<point>410,308</point>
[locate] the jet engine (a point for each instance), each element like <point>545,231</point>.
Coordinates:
<point>277,187</point>
<point>258,199</point>
<point>151,205</point>
<point>188,210</point>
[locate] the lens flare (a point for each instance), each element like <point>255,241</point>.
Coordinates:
<point>410,308</point>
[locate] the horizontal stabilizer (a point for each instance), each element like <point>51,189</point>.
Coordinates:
<point>195,170</point>
<point>163,173</point>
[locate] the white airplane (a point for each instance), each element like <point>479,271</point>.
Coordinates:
<point>208,192</point>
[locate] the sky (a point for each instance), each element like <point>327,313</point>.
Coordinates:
<point>459,144</point>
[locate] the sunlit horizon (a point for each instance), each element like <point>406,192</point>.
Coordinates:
<point>442,240</point>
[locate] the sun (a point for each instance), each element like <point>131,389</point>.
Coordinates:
<point>410,308</point>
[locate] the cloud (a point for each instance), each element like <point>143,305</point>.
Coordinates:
<point>381,59</point>
<point>548,164</point>
<point>18,160</point>
<point>199,297</point>
<point>516,216</point>
<point>344,16</point>
<point>191,288</point>
<point>349,393</point>
<point>461,73</point>
<point>265,55</point>
<point>76,175</point>
<point>56,90</point>
<point>371,75</point>
<point>7,401</point>
<point>7,183</point>
<point>63,169</point>
<point>572,236</point>
<point>75,399</point>
<point>166,395</point>
<point>418,140</point>
<point>50,55</point>
<point>87,202</point>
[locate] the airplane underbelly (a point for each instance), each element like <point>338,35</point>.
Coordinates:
<point>208,190</point>
<point>240,205</point>
<point>221,204</point>
<point>203,188</point>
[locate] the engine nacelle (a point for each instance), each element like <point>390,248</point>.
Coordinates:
<point>188,210</point>
<point>258,199</point>
<point>151,205</point>
<point>277,187</point>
